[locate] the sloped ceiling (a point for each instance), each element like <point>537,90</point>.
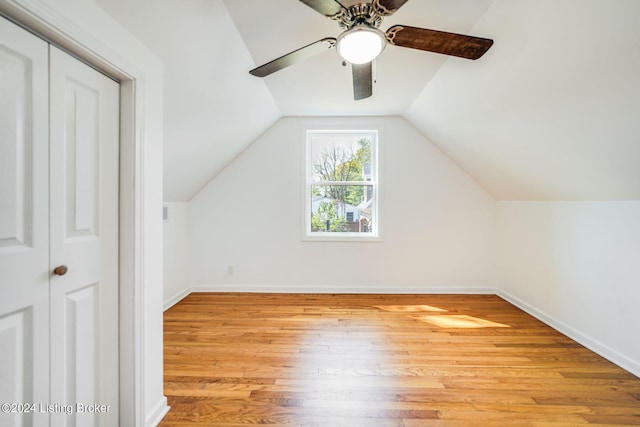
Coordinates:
<point>213,107</point>
<point>549,113</point>
<point>554,111</point>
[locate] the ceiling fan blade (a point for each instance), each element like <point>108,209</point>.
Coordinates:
<point>328,8</point>
<point>387,7</point>
<point>438,41</point>
<point>362,80</point>
<point>294,57</point>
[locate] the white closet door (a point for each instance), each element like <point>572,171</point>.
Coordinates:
<point>24,224</point>
<point>84,114</point>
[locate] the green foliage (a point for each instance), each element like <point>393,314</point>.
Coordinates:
<point>327,211</point>
<point>344,163</point>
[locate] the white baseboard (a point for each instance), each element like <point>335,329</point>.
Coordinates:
<point>592,344</point>
<point>157,413</point>
<point>176,299</point>
<point>347,289</point>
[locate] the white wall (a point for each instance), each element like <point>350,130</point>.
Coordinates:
<point>438,225</point>
<point>576,265</point>
<point>176,267</point>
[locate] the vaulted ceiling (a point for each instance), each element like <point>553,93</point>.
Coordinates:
<point>551,112</point>
<point>321,85</point>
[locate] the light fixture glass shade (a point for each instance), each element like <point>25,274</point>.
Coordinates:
<point>360,45</point>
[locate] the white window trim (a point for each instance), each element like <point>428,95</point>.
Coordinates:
<point>376,235</point>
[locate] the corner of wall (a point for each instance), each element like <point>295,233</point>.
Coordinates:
<point>574,265</point>
<point>177,252</point>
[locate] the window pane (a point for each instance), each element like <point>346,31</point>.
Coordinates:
<point>342,209</point>
<point>340,157</point>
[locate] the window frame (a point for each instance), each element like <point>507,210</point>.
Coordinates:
<point>375,235</point>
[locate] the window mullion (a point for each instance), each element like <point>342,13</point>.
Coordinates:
<point>362,183</point>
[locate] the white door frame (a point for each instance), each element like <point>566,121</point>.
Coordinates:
<point>86,31</point>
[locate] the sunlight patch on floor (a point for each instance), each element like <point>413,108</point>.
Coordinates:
<point>458,321</point>
<point>410,308</point>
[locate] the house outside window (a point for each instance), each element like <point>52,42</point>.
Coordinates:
<point>342,185</point>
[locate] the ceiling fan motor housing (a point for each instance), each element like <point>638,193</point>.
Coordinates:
<point>359,14</point>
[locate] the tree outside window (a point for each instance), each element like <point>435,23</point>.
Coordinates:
<point>341,183</point>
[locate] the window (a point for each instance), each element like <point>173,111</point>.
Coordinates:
<point>341,188</point>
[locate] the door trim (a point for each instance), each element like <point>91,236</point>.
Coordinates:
<point>76,27</point>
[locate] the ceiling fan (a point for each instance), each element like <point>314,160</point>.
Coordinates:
<point>361,41</point>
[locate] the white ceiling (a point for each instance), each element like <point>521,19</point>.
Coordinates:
<point>549,113</point>
<point>321,85</point>
<point>213,107</point>
<point>554,111</point>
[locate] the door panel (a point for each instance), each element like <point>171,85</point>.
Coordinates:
<point>81,161</point>
<point>16,164</point>
<point>16,363</point>
<point>82,358</point>
<point>84,111</point>
<point>24,218</point>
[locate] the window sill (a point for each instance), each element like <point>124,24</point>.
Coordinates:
<point>341,237</point>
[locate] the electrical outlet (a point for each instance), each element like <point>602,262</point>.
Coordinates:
<point>230,270</point>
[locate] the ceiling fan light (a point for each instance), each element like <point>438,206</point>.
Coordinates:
<point>361,44</point>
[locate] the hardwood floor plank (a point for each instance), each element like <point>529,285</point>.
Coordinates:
<point>382,360</point>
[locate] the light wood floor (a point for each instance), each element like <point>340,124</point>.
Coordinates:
<point>382,360</point>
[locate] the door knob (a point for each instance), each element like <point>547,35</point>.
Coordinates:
<point>61,270</point>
